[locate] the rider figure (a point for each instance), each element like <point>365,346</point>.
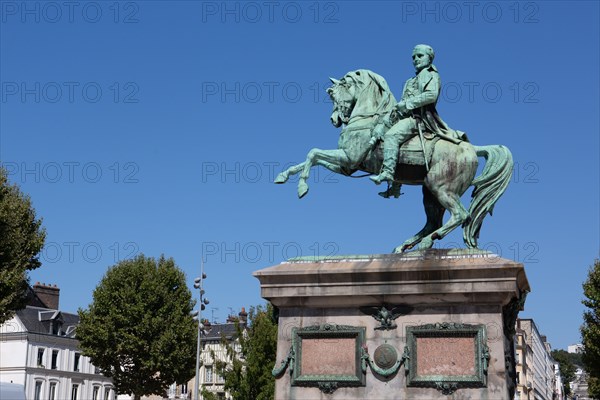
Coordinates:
<point>417,105</point>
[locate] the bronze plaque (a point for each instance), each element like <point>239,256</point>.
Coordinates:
<point>385,356</point>
<point>449,356</point>
<point>329,356</point>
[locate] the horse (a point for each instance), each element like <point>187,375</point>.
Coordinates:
<point>361,99</point>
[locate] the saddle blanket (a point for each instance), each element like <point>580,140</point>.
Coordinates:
<point>411,151</point>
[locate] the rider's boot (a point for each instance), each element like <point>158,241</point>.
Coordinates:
<point>390,158</point>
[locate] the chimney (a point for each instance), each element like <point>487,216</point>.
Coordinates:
<point>48,294</point>
<point>243,315</point>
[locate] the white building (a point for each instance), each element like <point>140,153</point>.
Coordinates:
<point>558,387</point>
<point>213,350</point>
<point>38,349</point>
<point>575,348</point>
<point>537,374</point>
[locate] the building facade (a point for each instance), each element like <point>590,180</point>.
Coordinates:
<point>213,351</point>
<point>537,374</point>
<point>38,350</point>
<point>523,353</point>
<point>575,348</point>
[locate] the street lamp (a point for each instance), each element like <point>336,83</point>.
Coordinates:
<point>198,315</point>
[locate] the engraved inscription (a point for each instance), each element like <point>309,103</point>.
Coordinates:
<point>450,356</point>
<point>328,356</point>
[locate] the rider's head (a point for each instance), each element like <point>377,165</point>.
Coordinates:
<point>422,56</point>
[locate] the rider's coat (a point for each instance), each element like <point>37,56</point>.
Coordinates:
<point>420,95</point>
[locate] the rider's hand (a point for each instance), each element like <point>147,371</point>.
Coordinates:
<point>387,119</point>
<point>401,107</point>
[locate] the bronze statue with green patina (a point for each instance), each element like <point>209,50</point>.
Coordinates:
<point>431,154</point>
<point>415,113</point>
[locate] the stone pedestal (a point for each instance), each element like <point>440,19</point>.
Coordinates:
<point>431,324</point>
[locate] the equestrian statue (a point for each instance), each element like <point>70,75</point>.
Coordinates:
<point>407,142</point>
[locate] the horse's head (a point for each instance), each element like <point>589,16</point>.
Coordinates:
<point>361,92</point>
<point>342,96</point>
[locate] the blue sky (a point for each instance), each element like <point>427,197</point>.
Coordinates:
<point>157,127</point>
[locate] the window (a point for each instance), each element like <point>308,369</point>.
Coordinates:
<point>172,392</point>
<point>52,394</point>
<point>74,391</point>
<point>106,393</point>
<point>95,393</point>
<point>219,378</point>
<point>184,389</point>
<point>76,362</point>
<point>54,359</point>
<point>209,374</point>
<point>40,357</point>
<point>37,394</point>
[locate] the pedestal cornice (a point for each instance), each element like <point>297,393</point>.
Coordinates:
<point>475,277</point>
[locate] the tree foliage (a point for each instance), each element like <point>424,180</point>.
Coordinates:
<point>248,374</point>
<point>21,240</point>
<point>138,329</point>
<point>590,331</point>
<point>575,359</point>
<point>566,367</point>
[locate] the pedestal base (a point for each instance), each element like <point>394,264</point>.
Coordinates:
<point>426,325</point>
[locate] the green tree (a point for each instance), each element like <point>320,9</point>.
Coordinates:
<point>138,329</point>
<point>590,331</point>
<point>21,240</point>
<point>248,374</point>
<point>575,359</point>
<point>566,367</point>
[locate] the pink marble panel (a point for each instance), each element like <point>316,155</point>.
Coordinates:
<point>445,356</point>
<point>328,356</point>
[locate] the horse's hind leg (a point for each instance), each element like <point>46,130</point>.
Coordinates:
<point>435,216</point>
<point>458,215</point>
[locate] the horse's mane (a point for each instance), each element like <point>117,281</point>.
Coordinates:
<point>374,87</point>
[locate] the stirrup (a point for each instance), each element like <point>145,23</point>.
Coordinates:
<point>393,190</point>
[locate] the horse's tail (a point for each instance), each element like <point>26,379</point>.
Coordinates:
<point>489,186</point>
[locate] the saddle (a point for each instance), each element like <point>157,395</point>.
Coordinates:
<point>411,152</point>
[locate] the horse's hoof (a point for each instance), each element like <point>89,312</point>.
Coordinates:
<point>404,247</point>
<point>281,178</point>
<point>426,243</point>
<point>302,189</point>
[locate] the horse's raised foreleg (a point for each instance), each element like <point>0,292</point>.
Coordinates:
<point>435,215</point>
<point>284,176</point>
<point>334,160</point>
<point>293,170</point>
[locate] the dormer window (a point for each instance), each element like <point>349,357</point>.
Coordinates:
<point>54,319</point>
